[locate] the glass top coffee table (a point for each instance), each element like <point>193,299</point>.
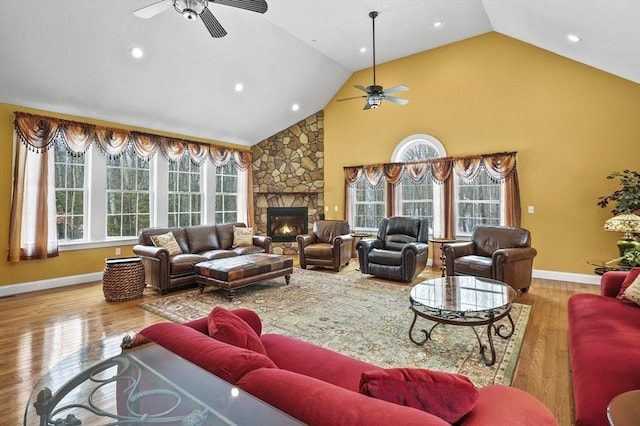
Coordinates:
<point>147,385</point>
<point>466,301</point>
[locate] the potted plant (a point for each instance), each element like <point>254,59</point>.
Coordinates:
<point>626,198</point>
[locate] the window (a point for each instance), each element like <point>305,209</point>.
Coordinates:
<point>478,203</point>
<point>70,193</point>
<point>226,193</point>
<point>185,194</point>
<point>369,207</point>
<point>417,198</point>
<point>128,194</point>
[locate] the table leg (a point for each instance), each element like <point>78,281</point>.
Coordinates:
<point>427,334</point>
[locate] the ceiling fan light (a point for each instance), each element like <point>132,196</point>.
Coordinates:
<point>374,101</point>
<point>190,9</point>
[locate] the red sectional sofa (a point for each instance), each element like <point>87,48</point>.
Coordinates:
<point>322,387</point>
<point>604,344</point>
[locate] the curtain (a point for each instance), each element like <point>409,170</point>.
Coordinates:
<point>32,233</point>
<point>501,167</point>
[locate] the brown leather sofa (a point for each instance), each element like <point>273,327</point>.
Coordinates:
<point>198,243</point>
<point>501,253</point>
<point>328,244</point>
<point>399,251</point>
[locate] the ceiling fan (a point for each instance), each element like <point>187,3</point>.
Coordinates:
<point>376,94</point>
<point>192,9</point>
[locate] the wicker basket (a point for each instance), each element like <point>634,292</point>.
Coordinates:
<point>123,279</point>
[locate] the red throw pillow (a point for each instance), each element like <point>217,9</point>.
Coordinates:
<point>228,327</point>
<point>631,276</point>
<point>448,396</point>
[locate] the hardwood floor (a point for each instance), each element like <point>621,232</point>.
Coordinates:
<point>40,329</point>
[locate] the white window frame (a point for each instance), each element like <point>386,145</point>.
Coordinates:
<point>363,181</point>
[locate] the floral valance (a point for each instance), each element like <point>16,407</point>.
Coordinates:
<point>39,134</point>
<point>497,165</point>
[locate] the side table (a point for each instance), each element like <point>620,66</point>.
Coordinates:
<point>123,279</point>
<point>438,256</point>
<point>357,236</point>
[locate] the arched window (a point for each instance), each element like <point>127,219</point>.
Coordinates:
<point>419,199</point>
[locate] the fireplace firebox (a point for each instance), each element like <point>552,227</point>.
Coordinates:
<point>285,223</point>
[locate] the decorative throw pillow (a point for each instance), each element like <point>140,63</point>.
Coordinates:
<point>242,237</point>
<point>228,327</point>
<point>448,396</point>
<point>633,291</point>
<point>631,276</point>
<point>167,241</point>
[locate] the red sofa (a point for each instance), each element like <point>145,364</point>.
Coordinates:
<point>604,345</point>
<point>321,387</point>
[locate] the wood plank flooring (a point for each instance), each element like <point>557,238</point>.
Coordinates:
<point>40,329</point>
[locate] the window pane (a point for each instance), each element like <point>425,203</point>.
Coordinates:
<point>70,193</point>
<point>186,177</point>
<point>478,203</point>
<point>368,205</point>
<point>226,193</point>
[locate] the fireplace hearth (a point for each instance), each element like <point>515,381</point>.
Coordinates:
<point>285,223</point>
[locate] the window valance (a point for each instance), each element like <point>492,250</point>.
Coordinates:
<point>499,166</point>
<point>39,134</point>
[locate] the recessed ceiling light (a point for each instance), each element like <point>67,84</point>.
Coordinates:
<point>136,52</point>
<point>239,87</point>
<point>573,38</point>
<point>295,107</point>
<point>363,50</point>
<point>437,24</point>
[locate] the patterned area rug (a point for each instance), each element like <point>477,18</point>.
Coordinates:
<point>359,316</point>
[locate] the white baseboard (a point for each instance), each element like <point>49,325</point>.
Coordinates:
<point>10,290</point>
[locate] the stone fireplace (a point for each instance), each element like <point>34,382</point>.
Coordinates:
<point>285,223</point>
<point>288,172</point>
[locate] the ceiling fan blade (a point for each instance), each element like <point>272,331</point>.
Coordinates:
<point>212,24</point>
<point>153,9</point>
<point>351,98</point>
<point>393,99</point>
<point>399,88</point>
<point>367,105</point>
<point>259,6</point>
<point>364,89</point>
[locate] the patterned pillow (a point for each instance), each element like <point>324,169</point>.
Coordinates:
<point>633,291</point>
<point>631,276</point>
<point>242,236</point>
<point>167,241</point>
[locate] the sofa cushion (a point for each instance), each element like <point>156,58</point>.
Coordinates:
<point>242,236</point>
<point>167,241</point>
<point>631,276</point>
<point>448,396</point>
<point>633,291</point>
<point>225,234</point>
<point>183,264</point>
<point>226,361</point>
<point>202,238</point>
<point>318,403</point>
<point>341,370</point>
<point>228,327</point>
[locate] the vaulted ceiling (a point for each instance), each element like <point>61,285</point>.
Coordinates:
<point>73,56</point>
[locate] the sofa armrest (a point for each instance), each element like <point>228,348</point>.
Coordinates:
<point>263,241</point>
<point>364,246</point>
<point>454,250</point>
<point>342,240</point>
<point>516,254</point>
<point>306,239</point>
<point>151,251</point>
<point>505,405</point>
<point>611,282</point>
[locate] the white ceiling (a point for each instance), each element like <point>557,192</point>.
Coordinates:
<point>72,56</point>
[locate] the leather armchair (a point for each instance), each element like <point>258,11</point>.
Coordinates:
<point>501,253</point>
<point>399,251</point>
<point>328,244</point>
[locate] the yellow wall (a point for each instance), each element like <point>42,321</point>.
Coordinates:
<point>571,125</point>
<point>68,263</point>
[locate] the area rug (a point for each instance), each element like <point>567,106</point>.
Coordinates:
<point>358,316</point>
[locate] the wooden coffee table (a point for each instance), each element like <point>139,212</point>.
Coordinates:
<point>239,271</point>
<point>467,301</point>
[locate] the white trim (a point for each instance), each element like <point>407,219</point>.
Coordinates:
<point>13,289</point>
<point>414,139</point>
<point>10,290</point>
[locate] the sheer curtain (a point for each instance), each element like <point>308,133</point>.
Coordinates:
<point>32,232</point>
<point>501,167</point>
